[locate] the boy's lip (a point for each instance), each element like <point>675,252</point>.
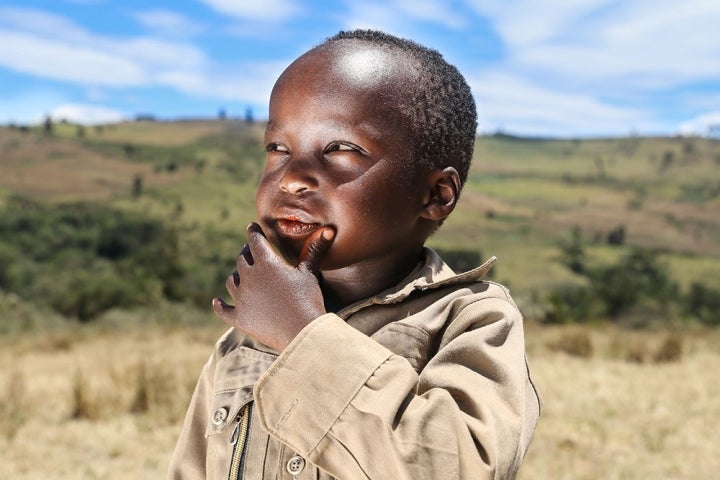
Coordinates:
<point>295,227</point>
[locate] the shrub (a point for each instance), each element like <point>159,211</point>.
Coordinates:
<point>460,260</point>
<point>12,405</point>
<point>570,304</point>
<point>616,236</point>
<point>82,259</point>
<point>703,304</point>
<point>576,344</point>
<point>573,251</point>
<point>638,276</point>
<point>638,289</point>
<point>670,350</point>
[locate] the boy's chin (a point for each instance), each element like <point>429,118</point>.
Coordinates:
<point>288,250</point>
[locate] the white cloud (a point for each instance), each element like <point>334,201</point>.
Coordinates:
<point>267,10</point>
<point>528,22</point>
<point>601,66</point>
<point>53,47</point>
<point>397,16</point>
<point>519,106</point>
<point>86,114</point>
<point>44,57</point>
<point>41,23</point>
<point>705,124</point>
<point>168,23</point>
<point>435,11</point>
<point>645,44</point>
<point>250,82</point>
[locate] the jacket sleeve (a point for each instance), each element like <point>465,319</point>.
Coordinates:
<point>356,410</point>
<point>189,458</point>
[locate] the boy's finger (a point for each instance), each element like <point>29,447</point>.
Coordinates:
<point>258,245</point>
<point>314,248</point>
<point>246,255</point>
<point>223,310</point>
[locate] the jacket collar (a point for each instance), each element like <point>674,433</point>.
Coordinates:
<point>430,274</point>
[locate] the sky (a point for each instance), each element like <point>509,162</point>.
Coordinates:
<point>582,68</point>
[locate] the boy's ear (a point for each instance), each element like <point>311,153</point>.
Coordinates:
<point>442,194</point>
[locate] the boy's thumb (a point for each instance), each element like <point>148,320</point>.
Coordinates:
<point>315,247</point>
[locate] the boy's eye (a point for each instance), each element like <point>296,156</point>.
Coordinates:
<point>341,147</point>
<point>276,147</point>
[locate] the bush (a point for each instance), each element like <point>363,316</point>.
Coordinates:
<point>570,304</point>
<point>82,259</point>
<point>576,344</point>
<point>638,289</point>
<point>460,260</point>
<point>573,251</point>
<point>703,304</point>
<point>616,236</point>
<point>670,350</point>
<point>638,276</point>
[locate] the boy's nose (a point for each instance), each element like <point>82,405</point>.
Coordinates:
<point>298,178</point>
<point>294,187</point>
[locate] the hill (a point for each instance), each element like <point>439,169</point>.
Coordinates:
<point>523,198</point>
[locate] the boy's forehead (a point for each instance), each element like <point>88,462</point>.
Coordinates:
<point>357,65</point>
<point>368,68</point>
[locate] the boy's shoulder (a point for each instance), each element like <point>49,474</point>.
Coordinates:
<point>434,275</point>
<point>441,274</point>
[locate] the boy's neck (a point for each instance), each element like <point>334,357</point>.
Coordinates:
<point>348,285</point>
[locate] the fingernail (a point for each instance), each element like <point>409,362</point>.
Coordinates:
<point>328,233</point>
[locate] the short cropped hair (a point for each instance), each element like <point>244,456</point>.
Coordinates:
<point>442,109</point>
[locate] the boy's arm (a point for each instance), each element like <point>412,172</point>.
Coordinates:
<point>356,410</point>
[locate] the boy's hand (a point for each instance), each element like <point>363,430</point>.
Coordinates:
<point>274,300</point>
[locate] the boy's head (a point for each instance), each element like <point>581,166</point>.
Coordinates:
<point>371,135</point>
<point>438,103</point>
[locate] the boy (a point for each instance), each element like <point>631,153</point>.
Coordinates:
<point>355,351</point>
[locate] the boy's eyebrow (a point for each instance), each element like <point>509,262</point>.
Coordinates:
<point>372,132</point>
<point>270,126</point>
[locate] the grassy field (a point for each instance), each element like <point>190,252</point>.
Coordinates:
<point>105,400</point>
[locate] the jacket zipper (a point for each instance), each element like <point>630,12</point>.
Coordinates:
<point>238,439</point>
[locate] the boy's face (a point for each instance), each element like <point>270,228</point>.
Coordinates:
<point>340,154</point>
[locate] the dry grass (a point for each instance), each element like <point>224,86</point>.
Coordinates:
<point>644,405</point>
<point>633,405</point>
<point>96,404</point>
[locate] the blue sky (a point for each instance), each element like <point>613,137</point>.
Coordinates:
<point>536,67</point>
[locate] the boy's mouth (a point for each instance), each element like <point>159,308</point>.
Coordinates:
<point>291,227</point>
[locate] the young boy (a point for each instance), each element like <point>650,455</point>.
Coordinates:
<point>355,351</point>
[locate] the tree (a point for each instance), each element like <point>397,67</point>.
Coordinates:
<point>48,125</point>
<point>137,186</point>
<point>573,251</point>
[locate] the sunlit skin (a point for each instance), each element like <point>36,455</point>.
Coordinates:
<point>343,212</point>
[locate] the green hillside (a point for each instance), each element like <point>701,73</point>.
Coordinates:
<point>524,197</point>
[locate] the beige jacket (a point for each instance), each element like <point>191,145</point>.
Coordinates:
<point>427,380</point>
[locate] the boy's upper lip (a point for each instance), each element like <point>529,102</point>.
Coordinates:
<point>295,214</point>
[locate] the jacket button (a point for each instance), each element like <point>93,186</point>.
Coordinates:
<point>219,416</point>
<point>295,465</point>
